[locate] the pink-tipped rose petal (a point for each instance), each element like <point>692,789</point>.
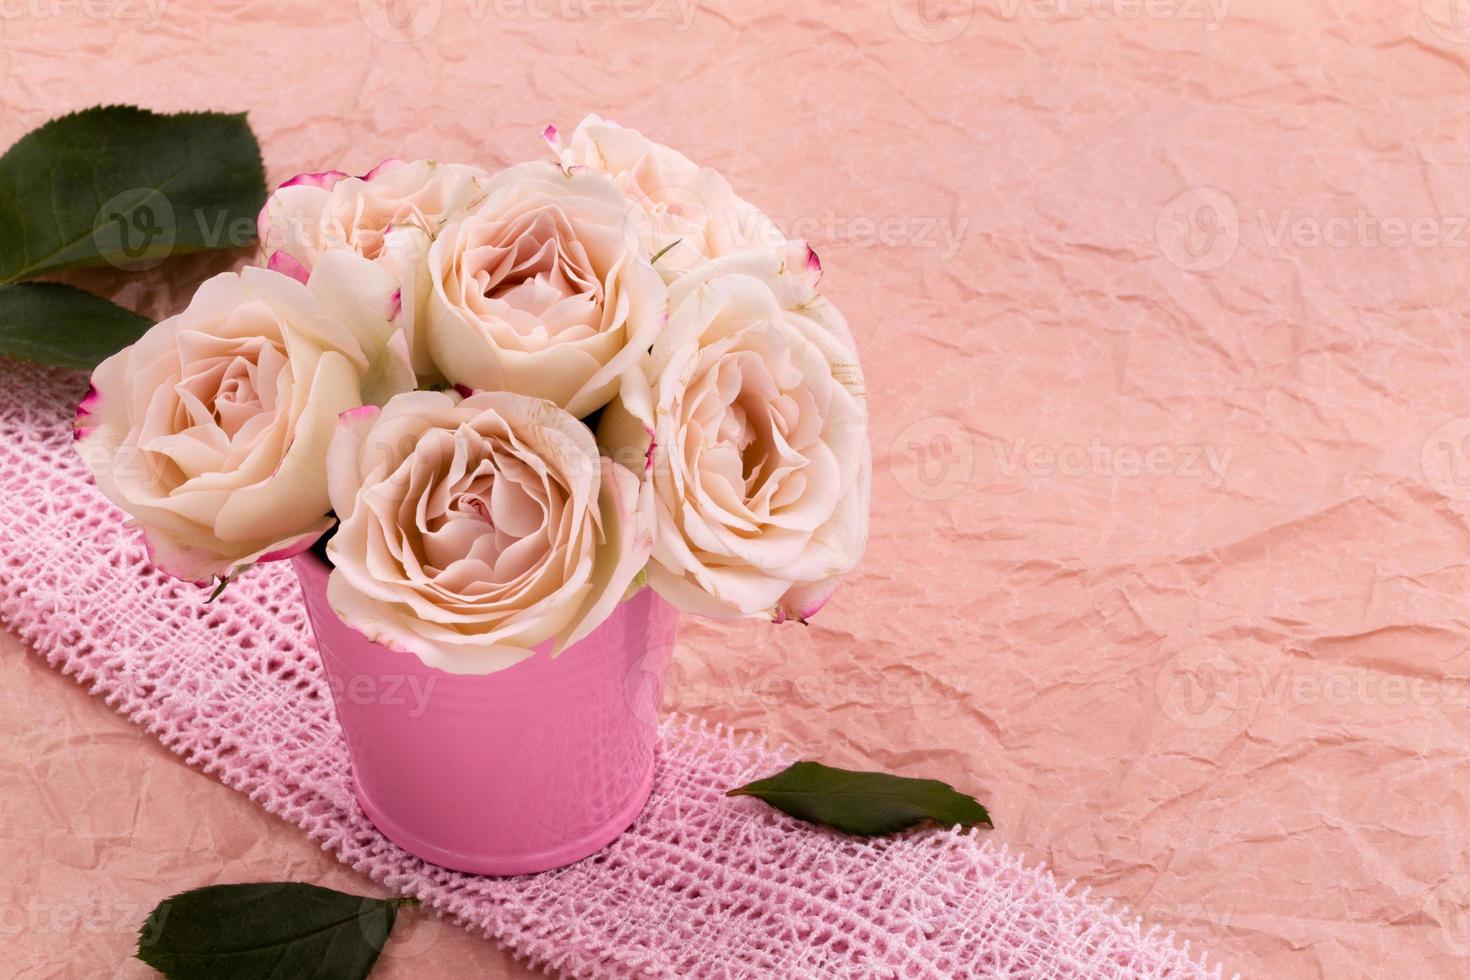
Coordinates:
<point>803,602</point>
<point>288,266</point>
<point>390,164</point>
<point>326,179</point>
<point>84,412</point>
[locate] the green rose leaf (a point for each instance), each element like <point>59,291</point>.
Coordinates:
<point>56,324</point>
<point>123,186</point>
<point>271,929</point>
<point>865,803</point>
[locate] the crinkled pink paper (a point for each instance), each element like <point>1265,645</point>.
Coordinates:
<point>1236,699</point>
<point>701,886</point>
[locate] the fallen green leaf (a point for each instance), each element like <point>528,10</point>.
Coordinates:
<point>123,186</point>
<point>57,324</point>
<point>865,803</point>
<point>271,929</point>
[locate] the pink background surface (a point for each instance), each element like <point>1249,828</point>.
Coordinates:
<point>1086,251</point>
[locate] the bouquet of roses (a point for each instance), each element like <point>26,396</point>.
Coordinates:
<point>509,400</point>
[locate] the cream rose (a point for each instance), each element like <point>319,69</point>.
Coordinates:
<point>475,528</point>
<point>389,215</point>
<point>759,457</point>
<point>212,429</point>
<point>689,213</point>
<point>543,289</point>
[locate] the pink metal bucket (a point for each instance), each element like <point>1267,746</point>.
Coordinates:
<point>526,769</point>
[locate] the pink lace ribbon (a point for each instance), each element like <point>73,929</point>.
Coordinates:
<point>701,886</point>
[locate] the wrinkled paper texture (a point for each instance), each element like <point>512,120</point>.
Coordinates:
<point>1162,311</point>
